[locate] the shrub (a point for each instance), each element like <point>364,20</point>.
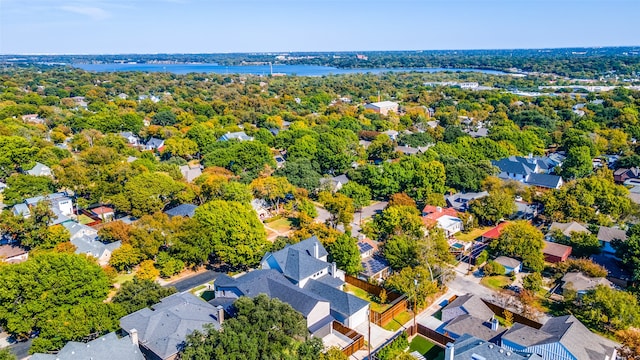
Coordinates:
<point>494,268</point>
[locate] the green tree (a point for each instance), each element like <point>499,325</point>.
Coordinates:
<point>396,220</point>
<point>493,208</point>
<point>168,265</point>
<point>578,163</point>
<point>21,187</point>
<point>229,230</point>
<point>607,309</point>
<point>523,240</point>
<point>147,271</point>
<point>583,244</point>
<point>139,293</point>
<point>360,194</point>
<point>344,251</point>
<point>147,193</point>
<point>492,268</point>
<point>125,257</point>
<point>263,328</point>
<point>5,354</point>
<point>381,148</point>
<point>272,189</point>
<point>532,282</point>
<point>301,174</point>
<point>339,206</point>
<point>629,251</point>
<point>401,251</point>
<point>184,148</point>
<point>404,281</point>
<point>164,118</point>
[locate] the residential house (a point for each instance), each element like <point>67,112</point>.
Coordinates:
<point>261,207</point>
<point>493,233</point>
<point>408,150</point>
<point>2,186</point>
<point>623,174</point>
<point>468,347</point>
<point>382,107</point>
<point>374,266</point>
<point>238,135</point>
<point>563,337</point>
<point>105,213</point>
<point>525,210</point>
<point>334,183</point>
<point>555,253</point>
<point>154,144</point>
<point>162,329</point>
<point>468,314</point>
<point>33,118</point>
<point>190,172</point>
<point>13,254</point>
<point>392,134</point>
<point>80,101</point>
<point>581,283</point>
<point>444,218</point>
<point>511,265</point>
<point>567,228</point>
<point>59,203</point>
<point>131,138</point>
<point>460,201</point>
<point>478,132</point>
<point>184,210</point>
<point>40,170</point>
<point>534,171</point>
<point>606,235</point>
<point>107,347</point>
<point>87,242</point>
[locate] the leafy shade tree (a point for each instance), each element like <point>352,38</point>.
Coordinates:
<point>401,251</point>
<point>300,173</point>
<point>404,281</point>
<point>115,231</point>
<point>66,281</point>
<point>629,251</point>
<point>630,340</point>
<point>33,231</point>
<point>402,199</point>
<point>578,163</point>
<point>147,271</point>
<point>55,235</point>
<point>586,266</point>
<point>125,257</point>
<point>229,230</point>
<point>396,220</point>
<point>5,354</point>
<point>491,209</point>
<point>183,148</point>
<point>607,309</point>
<point>523,240</point>
<point>339,206</point>
<point>584,244</point>
<point>147,193</point>
<point>140,293</point>
<point>246,158</point>
<point>360,194</point>
<point>272,189</point>
<point>15,151</point>
<point>168,265</point>
<point>532,282</point>
<point>344,251</point>
<point>20,187</point>
<point>262,329</point>
<point>492,268</point>
<point>164,118</point>
<point>381,148</point>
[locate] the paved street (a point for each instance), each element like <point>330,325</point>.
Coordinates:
<point>366,213</point>
<point>195,280</point>
<point>21,349</point>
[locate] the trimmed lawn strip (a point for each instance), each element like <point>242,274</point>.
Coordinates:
<point>399,321</point>
<point>426,348</point>
<point>496,282</point>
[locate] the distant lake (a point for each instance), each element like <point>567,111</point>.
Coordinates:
<point>301,70</point>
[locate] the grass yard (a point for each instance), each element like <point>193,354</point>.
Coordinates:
<point>365,296</point>
<point>496,282</point>
<point>425,347</point>
<point>84,219</point>
<point>122,278</point>
<point>472,235</point>
<point>280,225</point>
<point>399,321</point>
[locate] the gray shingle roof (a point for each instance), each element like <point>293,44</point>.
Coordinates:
<point>544,180</point>
<point>238,135</point>
<point>473,305</point>
<point>568,228</point>
<point>163,328</point>
<point>340,301</point>
<point>297,261</point>
<point>154,143</point>
<point>581,282</point>
<point>468,347</point>
<point>515,165</point>
<point>459,201</point>
<point>107,347</point>
<point>467,324</point>
<point>508,262</point>
<point>184,210</point>
<point>39,170</point>
<point>608,234</point>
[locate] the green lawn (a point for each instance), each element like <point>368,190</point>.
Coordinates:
<point>84,219</point>
<point>365,296</point>
<point>425,347</point>
<point>280,225</point>
<point>496,282</point>
<point>124,277</point>
<point>472,235</point>
<point>399,321</point>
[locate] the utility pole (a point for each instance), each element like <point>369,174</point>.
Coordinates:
<point>369,342</point>
<point>415,309</point>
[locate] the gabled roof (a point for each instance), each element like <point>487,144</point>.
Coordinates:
<point>382,104</point>
<point>508,262</point>
<point>297,265</point>
<point>107,347</point>
<point>164,327</point>
<point>470,347</point>
<point>473,305</point>
<point>184,210</point>
<point>51,197</point>
<point>467,324</point>
<point>555,249</point>
<point>582,282</point>
<point>101,210</point>
<point>274,285</point>
<point>608,234</point>
<point>459,201</point>
<point>544,180</point>
<point>8,252</point>
<point>90,245</point>
<point>516,165</point>
<point>339,301</point>
<point>238,135</point>
<point>568,228</point>
<point>373,265</point>
<point>495,232</point>
<point>154,143</point>
<point>39,169</point>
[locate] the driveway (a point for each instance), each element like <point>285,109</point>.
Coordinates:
<point>378,337</point>
<point>195,280</point>
<point>365,214</point>
<point>21,349</point>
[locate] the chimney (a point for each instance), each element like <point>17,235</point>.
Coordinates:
<point>133,333</point>
<point>438,209</point>
<point>334,269</point>
<point>449,352</point>
<point>494,324</point>
<point>220,314</point>
<point>316,250</point>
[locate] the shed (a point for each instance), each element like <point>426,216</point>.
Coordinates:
<point>555,253</point>
<point>511,265</point>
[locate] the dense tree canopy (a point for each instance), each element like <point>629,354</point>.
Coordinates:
<point>522,240</point>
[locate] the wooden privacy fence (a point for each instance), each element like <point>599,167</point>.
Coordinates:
<point>357,342</point>
<point>371,288</point>
<point>499,310</point>
<point>397,307</point>
<point>437,338</point>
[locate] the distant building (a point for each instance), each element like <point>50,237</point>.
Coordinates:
<point>582,283</point>
<point>460,201</point>
<point>40,170</point>
<point>107,347</point>
<point>468,347</point>
<point>568,228</point>
<point>334,183</point>
<point>87,242</point>
<point>184,210</point>
<point>190,172</point>
<point>534,171</point>
<point>239,136</point>
<point>606,235</point>
<point>13,254</point>
<point>511,265</point>
<point>382,107</point>
<point>105,213</point>
<point>154,144</point>
<point>444,218</point>
<point>130,137</point>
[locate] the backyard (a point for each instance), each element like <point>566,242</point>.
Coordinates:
<point>279,227</point>
<point>473,234</point>
<point>425,347</point>
<point>375,306</point>
<point>398,321</point>
<point>496,282</point>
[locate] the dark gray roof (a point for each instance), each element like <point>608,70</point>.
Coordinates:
<point>473,305</point>
<point>107,347</point>
<point>467,324</point>
<point>568,228</point>
<point>608,234</point>
<point>274,285</point>
<point>544,180</point>
<point>154,143</point>
<point>184,210</point>
<point>459,201</point>
<point>515,165</point>
<point>163,328</point>
<point>374,264</point>
<point>363,247</point>
<point>297,261</point>
<point>340,301</point>
<point>567,330</point>
<point>508,262</point>
<point>468,347</point>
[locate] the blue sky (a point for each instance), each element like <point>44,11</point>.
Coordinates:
<point>204,26</point>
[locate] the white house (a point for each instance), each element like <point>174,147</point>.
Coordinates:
<point>40,170</point>
<point>382,107</point>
